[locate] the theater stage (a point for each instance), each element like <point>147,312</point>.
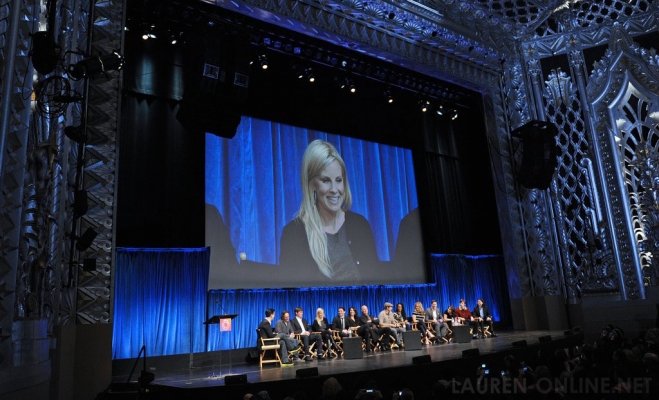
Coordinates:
<point>204,375</point>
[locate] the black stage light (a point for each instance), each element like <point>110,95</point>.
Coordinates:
<point>80,205</point>
<point>96,65</point>
<point>86,239</point>
<point>76,133</point>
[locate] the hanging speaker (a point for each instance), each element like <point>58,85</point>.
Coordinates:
<point>539,154</point>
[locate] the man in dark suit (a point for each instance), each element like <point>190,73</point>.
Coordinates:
<point>483,318</point>
<point>265,328</point>
<point>340,323</point>
<point>302,327</point>
<point>368,326</point>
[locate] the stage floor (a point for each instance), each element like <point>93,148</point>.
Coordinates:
<point>205,377</point>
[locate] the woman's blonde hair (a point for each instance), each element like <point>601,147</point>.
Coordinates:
<point>318,155</point>
<point>418,306</point>
<point>319,310</point>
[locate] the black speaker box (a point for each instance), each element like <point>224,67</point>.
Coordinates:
<point>252,355</point>
<point>461,334</point>
<point>519,343</point>
<point>352,348</point>
<point>544,339</point>
<point>235,379</point>
<point>306,372</point>
<point>539,151</point>
<point>470,353</point>
<point>412,340</point>
<point>421,360</point>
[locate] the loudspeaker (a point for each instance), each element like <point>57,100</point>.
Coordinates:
<point>412,340</point>
<point>217,69</point>
<point>352,348</point>
<point>306,372</point>
<point>420,360</point>
<point>86,239</point>
<point>539,152</point>
<point>519,343</point>
<point>461,334</point>
<point>80,205</point>
<point>89,264</point>
<point>252,355</point>
<point>544,339</point>
<point>235,379</point>
<point>146,377</point>
<point>470,353</point>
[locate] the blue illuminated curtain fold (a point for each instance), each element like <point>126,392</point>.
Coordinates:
<point>457,277</point>
<point>159,301</point>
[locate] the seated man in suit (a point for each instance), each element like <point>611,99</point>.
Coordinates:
<point>483,318</point>
<point>302,328</point>
<point>342,324</point>
<point>265,328</point>
<point>284,329</point>
<point>368,328</point>
<point>434,315</point>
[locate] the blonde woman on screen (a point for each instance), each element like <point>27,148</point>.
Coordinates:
<point>326,241</point>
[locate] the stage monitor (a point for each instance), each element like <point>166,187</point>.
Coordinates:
<point>352,219</point>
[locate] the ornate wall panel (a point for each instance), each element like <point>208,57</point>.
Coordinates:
<point>624,92</point>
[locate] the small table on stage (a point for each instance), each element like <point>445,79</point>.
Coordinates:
<point>224,323</point>
<point>461,333</point>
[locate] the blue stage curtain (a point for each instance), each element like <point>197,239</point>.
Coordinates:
<point>458,277</point>
<point>253,180</point>
<point>159,301</point>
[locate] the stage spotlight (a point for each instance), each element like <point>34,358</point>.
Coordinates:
<point>353,89</point>
<point>440,110</point>
<point>455,115</point>
<point>96,65</point>
<point>388,96</point>
<point>425,105</point>
<point>310,75</point>
<point>263,61</point>
<point>80,205</point>
<point>89,264</point>
<point>76,133</point>
<point>86,239</point>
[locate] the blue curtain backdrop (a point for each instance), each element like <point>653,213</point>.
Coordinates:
<point>160,299</point>
<point>253,180</point>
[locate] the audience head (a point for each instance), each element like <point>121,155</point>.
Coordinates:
<point>262,395</point>
<point>331,388</point>
<point>406,394</point>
